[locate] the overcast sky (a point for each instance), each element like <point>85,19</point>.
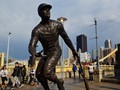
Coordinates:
<point>20,16</point>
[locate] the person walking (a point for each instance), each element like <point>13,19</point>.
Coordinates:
<point>23,73</point>
<point>91,71</point>
<point>80,71</point>
<point>20,73</point>
<point>74,68</point>
<point>32,74</point>
<point>15,74</point>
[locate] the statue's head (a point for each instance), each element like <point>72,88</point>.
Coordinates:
<point>44,9</point>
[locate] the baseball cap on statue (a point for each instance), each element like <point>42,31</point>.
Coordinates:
<point>41,6</point>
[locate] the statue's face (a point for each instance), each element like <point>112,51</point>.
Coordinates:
<point>45,13</point>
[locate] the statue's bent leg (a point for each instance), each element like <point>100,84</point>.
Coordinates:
<point>39,74</point>
<point>49,70</point>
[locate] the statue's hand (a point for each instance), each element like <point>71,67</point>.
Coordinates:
<point>31,61</point>
<point>39,54</point>
<point>75,55</point>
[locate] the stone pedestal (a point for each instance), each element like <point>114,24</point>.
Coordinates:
<point>97,75</point>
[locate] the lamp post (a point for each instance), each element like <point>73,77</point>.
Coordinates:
<point>8,45</point>
<point>96,37</point>
<point>62,19</point>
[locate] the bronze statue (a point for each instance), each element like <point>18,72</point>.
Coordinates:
<point>48,32</point>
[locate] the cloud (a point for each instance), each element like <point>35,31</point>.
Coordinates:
<point>20,17</point>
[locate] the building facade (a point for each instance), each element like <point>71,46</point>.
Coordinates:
<point>109,60</point>
<point>108,44</point>
<point>82,43</point>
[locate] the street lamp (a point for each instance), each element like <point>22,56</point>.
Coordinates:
<point>8,45</point>
<point>96,37</point>
<point>62,19</point>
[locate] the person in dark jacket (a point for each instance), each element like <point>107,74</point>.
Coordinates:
<point>74,70</point>
<point>20,74</point>
<point>23,73</point>
<point>15,75</point>
<point>79,71</point>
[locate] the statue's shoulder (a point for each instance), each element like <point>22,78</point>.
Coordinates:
<point>56,23</point>
<point>37,28</point>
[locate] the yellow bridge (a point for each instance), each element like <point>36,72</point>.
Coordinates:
<point>102,59</point>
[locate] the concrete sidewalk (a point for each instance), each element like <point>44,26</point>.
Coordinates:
<point>76,84</point>
<point>71,84</point>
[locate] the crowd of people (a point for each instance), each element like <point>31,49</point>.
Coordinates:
<point>18,78</point>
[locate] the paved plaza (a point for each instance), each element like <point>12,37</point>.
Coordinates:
<point>76,84</point>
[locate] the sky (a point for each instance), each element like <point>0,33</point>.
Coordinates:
<point>20,16</point>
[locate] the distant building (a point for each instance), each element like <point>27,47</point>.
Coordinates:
<point>69,53</point>
<point>108,44</point>
<point>108,49</point>
<point>84,57</point>
<point>82,43</point>
<point>99,54</point>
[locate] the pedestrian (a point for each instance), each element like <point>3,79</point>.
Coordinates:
<point>74,68</point>
<point>20,75</point>
<point>23,73</point>
<point>91,72</point>
<point>4,74</point>
<point>15,74</point>
<point>32,76</point>
<point>80,71</point>
<point>48,32</point>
